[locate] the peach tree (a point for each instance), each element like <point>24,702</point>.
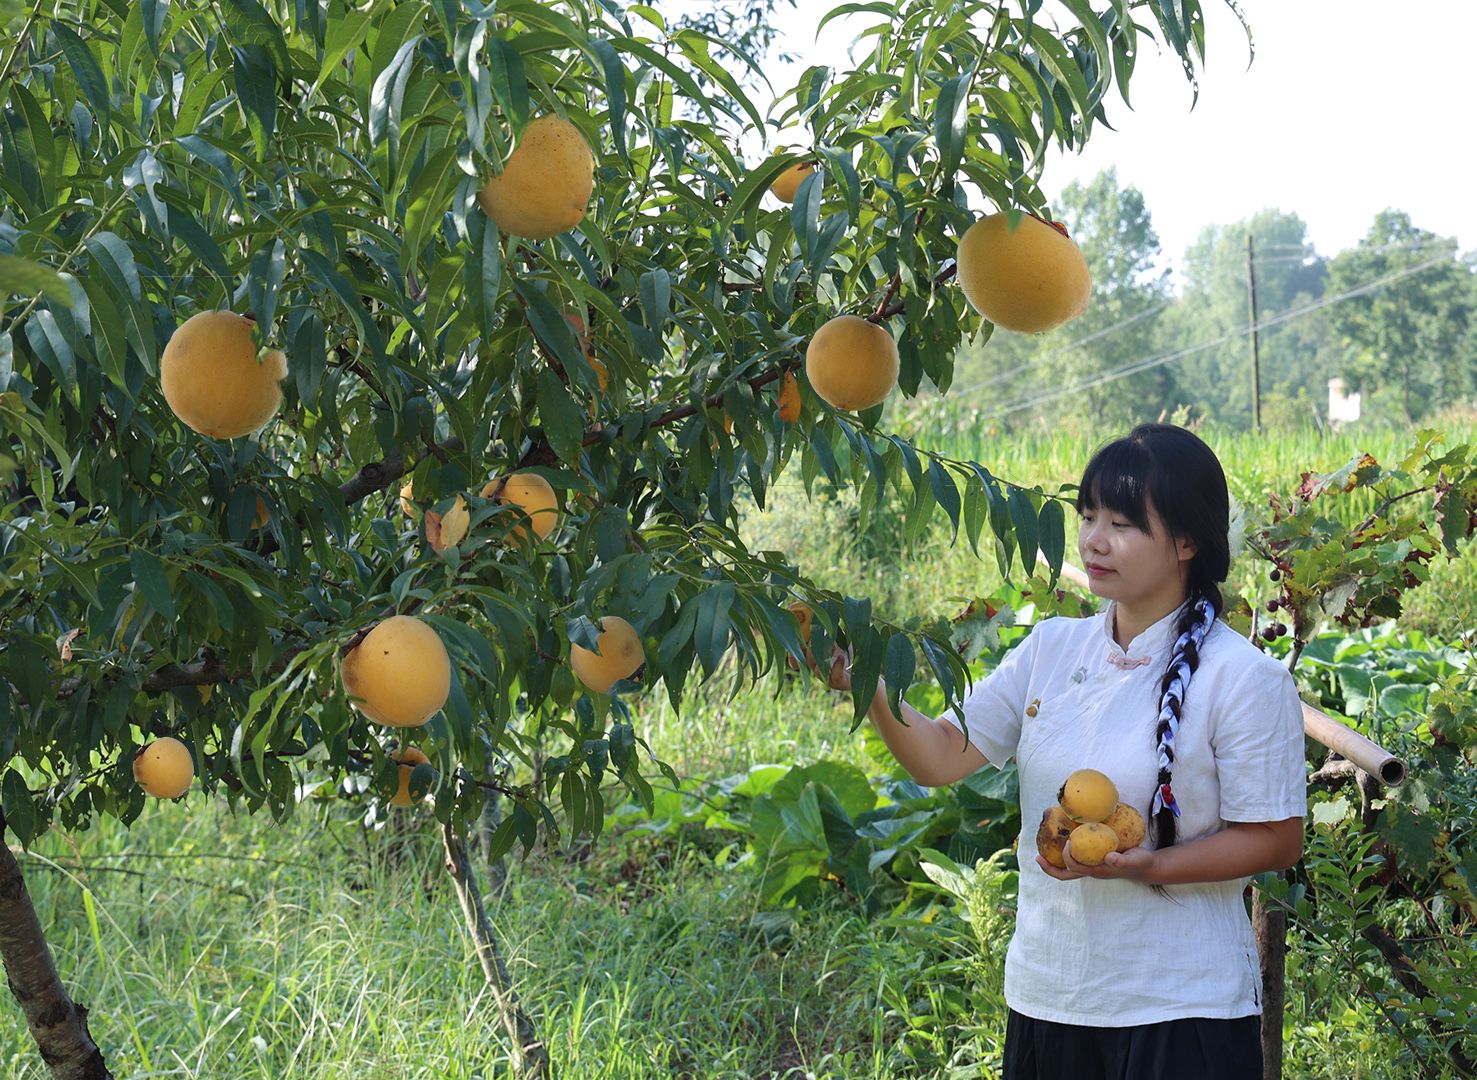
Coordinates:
<point>315,167</point>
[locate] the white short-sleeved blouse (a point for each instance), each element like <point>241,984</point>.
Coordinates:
<point>1114,953</point>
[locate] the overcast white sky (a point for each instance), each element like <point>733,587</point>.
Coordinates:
<point>1349,107</point>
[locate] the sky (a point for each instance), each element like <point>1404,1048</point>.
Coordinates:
<point>1348,107</point>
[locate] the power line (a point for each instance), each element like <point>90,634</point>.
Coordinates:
<point>1134,367</point>
<point>1040,357</point>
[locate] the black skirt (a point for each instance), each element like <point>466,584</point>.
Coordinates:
<point>1193,1048</point>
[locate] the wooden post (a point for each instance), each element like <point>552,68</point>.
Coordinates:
<point>1269,922</point>
<point>1256,352</point>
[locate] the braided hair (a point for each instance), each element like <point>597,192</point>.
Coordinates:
<point>1172,470</point>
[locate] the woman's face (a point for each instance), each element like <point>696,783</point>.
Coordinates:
<point>1138,569</point>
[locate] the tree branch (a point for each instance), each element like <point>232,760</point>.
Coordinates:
<point>684,411</point>
<point>378,475</point>
<point>896,307</point>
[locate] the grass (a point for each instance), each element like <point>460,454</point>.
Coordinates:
<point>208,946</point>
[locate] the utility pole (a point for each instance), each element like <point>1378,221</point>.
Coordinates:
<point>1256,358</point>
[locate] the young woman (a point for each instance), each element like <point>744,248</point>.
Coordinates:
<point>1143,968</point>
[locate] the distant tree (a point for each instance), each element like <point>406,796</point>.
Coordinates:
<point>1214,308</point>
<point>1130,289</point>
<point>1410,340</point>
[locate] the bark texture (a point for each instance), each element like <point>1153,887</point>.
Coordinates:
<point>57,1023</point>
<point>1270,924</point>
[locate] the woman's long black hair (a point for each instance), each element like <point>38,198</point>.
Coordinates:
<point>1174,471</point>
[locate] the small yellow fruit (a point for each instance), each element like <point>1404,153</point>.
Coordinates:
<point>1051,838</point>
<point>787,183</point>
<point>406,493</point>
<point>852,363</point>
<point>534,496</point>
<point>449,529</point>
<point>602,373</point>
<point>805,617</point>
<point>400,671</point>
<point>620,654</point>
<point>409,758</point>
<point>164,768</point>
<point>263,516</point>
<point>1128,823</point>
<point>1088,795</point>
<point>1092,843</point>
<point>1028,278</point>
<point>205,692</point>
<point>545,184</point>
<point>789,397</point>
<point>577,324</point>
<point>212,379</point>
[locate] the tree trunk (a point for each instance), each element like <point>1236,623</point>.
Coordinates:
<point>57,1023</point>
<point>1270,925</point>
<point>530,1057</point>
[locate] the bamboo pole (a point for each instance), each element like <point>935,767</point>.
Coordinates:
<point>1317,725</point>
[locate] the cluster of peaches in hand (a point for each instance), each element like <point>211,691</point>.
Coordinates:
<point>1088,814</point>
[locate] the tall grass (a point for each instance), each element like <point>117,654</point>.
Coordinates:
<point>212,947</point>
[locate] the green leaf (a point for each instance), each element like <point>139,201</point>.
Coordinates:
<point>1053,535</point>
<point>806,209</point>
<point>563,419</point>
<point>53,349</point>
<point>154,13</point>
<point>120,274</point>
<point>427,201</point>
<point>345,34</point>
<point>324,272</point>
<point>88,71</point>
<point>148,575</point>
<point>951,124</point>
<point>256,90</point>
<point>387,98</point>
<point>268,268</point>
<point>22,277</point>
<point>19,805</point>
<point>1023,516</point>
<point>939,662</point>
<point>615,92</point>
<point>509,81</point>
<point>945,491</point>
<point>711,630</point>
<point>184,227</point>
<point>656,299</point>
<point>898,669</point>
